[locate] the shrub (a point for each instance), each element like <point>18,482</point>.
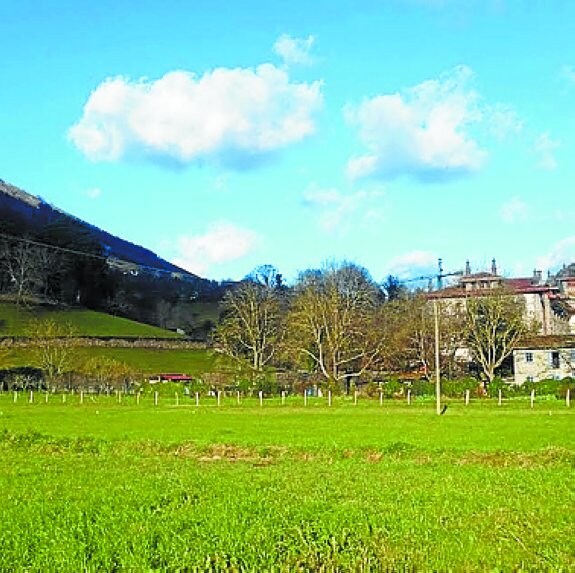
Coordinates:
<point>371,389</point>
<point>456,388</point>
<point>422,388</point>
<point>21,378</point>
<point>557,388</point>
<point>498,384</point>
<point>393,388</point>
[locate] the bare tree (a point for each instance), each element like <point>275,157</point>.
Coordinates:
<point>107,372</point>
<point>164,310</point>
<point>268,276</point>
<point>332,321</point>
<point>20,263</point>
<point>251,326</point>
<point>406,325</point>
<point>54,345</point>
<point>494,325</point>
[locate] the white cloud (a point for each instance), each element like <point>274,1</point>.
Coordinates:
<point>413,264</point>
<point>221,243</point>
<point>562,252</point>
<point>337,210</point>
<point>93,193</point>
<point>295,51</point>
<point>421,132</point>
<point>545,148</point>
<point>503,121</point>
<point>515,210</point>
<point>230,116</point>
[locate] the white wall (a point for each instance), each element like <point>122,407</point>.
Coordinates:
<point>540,368</point>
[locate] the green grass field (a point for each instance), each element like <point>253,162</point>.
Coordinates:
<point>14,322</point>
<point>144,360</point>
<point>108,486</point>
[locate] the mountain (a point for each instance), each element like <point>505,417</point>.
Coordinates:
<point>48,256</point>
<point>20,211</point>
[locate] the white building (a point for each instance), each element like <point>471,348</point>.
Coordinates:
<point>548,304</point>
<point>543,358</point>
<point>545,304</point>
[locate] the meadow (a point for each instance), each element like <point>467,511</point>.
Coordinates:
<point>109,485</point>
<point>145,361</point>
<point>15,320</point>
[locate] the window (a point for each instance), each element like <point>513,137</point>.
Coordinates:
<point>529,379</point>
<point>554,359</point>
<point>529,357</point>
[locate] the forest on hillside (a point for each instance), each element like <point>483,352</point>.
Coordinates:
<point>49,257</point>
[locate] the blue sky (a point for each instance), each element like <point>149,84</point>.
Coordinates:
<point>224,135</point>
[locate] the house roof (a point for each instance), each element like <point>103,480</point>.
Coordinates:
<point>547,342</point>
<point>478,276</point>
<point>175,377</point>
<point>520,285</point>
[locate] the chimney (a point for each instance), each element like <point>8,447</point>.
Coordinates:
<point>467,268</point>
<point>537,276</point>
<point>493,267</point>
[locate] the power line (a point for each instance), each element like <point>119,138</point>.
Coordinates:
<point>108,260</point>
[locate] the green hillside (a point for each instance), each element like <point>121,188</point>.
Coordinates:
<point>14,321</point>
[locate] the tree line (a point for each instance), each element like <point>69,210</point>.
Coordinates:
<point>338,324</point>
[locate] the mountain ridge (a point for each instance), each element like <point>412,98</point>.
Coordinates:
<point>38,212</point>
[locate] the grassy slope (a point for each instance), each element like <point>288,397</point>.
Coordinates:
<point>14,320</point>
<point>87,323</point>
<point>109,486</point>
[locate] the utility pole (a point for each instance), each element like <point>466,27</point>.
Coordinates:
<point>437,371</point>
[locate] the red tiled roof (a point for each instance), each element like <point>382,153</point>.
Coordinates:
<point>521,285</point>
<point>173,377</point>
